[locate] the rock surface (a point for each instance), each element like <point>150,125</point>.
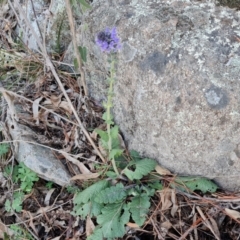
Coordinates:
<point>177,93</point>
<point>39,159</point>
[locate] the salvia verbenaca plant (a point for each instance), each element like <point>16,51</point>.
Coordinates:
<point>109,42</point>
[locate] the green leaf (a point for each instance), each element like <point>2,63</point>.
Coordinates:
<point>112,194</point>
<point>142,168</point>
<point>91,209</point>
<point>90,192</point>
<point>108,120</point>
<point>111,174</point>
<point>8,170</point>
<point>113,220</point>
<point>83,53</point>
<point>8,206</point>
<point>114,132</point>
<point>27,177</point>
<point>4,148</point>
<point>115,153</point>
<point>97,234</point>
<point>135,155</point>
<point>156,185</point>
<point>17,201</point>
<point>139,207</point>
<point>75,63</point>
<point>85,4</point>
<point>103,134</point>
<point>194,183</point>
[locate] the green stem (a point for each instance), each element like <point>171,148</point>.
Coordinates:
<point>108,110</point>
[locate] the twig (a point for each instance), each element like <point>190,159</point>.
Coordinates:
<point>207,198</point>
<point>52,68</point>
<point>40,214</point>
<point>53,149</point>
<point>194,225</point>
<point>207,223</point>
<point>76,51</point>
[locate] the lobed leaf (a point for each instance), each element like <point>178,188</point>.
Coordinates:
<point>139,207</point>
<point>88,209</point>
<point>113,220</point>
<point>90,192</point>
<point>112,194</point>
<point>142,168</point>
<point>194,183</point>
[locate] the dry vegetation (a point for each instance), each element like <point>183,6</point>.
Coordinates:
<point>54,104</point>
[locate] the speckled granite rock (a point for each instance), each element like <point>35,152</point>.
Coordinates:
<point>177,95</point>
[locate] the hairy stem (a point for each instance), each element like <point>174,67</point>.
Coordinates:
<point>108,111</point>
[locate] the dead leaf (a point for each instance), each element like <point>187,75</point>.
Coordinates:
<point>162,171</point>
<point>132,225</point>
<point>80,165</point>
<point>65,106</point>
<point>89,226</point>
<point>233,213</point>
<point>48,196</point>
<point>174,201</point>
<point>207,223</point>
<point>165,196</point>
<point>86,176</point>
<point>10,100</point>
<point>214,226</point>
<point>35,109</point>
<point>56,100</point>
<point>167,225</point>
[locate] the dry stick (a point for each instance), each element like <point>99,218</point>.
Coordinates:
<point>207,223</point>
<point>189,230</point>
<point>231,200</point>
<point>77,54</point>
<point>50,65</point>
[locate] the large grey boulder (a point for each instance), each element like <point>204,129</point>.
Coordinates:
<point>177,96</point>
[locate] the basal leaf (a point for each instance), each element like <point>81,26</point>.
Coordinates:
<point>88,209</point>
<point>142,168</point>
<point>194,183</point>
<point>96,235</point>
<point>139,207</point>
<point>90,192</point>
<point>112,194</point>
<point>113,220</point>
<point>135,155</point>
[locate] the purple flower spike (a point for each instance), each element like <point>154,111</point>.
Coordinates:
<point>108,40</point>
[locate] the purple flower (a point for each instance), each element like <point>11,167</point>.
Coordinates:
<point>108,40</point>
